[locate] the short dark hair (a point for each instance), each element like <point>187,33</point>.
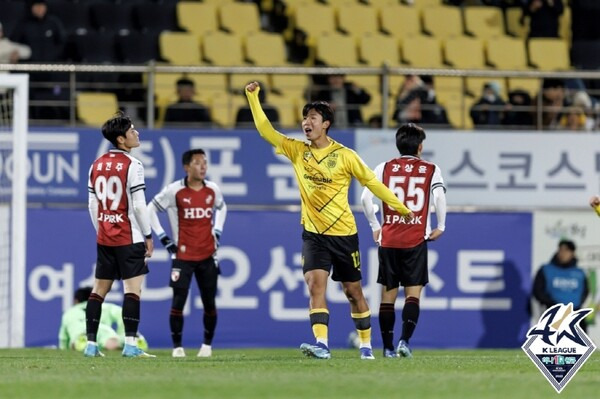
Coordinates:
<point>408,138</point>
<point>83,294</point>
<point>323,108</point>
<point>185,82</point>
<point>567,243</point>
<point>186,158</point>
<point>116,126</point>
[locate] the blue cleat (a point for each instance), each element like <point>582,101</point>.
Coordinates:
<point>389,353</point>
<point>318,350</point>
<point>403,350</point>
<point>92,351</point>
<point>134,351</point>
<point>366,354</point>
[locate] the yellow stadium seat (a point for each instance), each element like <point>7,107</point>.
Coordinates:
<point>180,48</point>
<point>400,21</point>
<point>443,21</point>
<point>564,30</point>
<point>290,85</point>
<point>447,86</point>
<point>530,85</point>
<point>223,108</point>
<point>381,3</point>
<point>507,53</point>
<point>458,109</point>
<point>315,19</point>
<point>368,82</point>
<point>376,50</point>
<point>514,26</point>
<point>422,52</point>
<point>426,3</point>
<point>336,50</point>
<point>287,108</point>
<point>484,22</point>
<point>197,18</point>
<point>222,49</point>
<point>240,18</point>
<point>357,19</point>
<point>95,108</point>
<point>208,85</point>
<point>549,54</point>
<point>265,49</point>
<point>464,52</point>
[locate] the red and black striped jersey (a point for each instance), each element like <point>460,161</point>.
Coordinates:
<point>113,178</point>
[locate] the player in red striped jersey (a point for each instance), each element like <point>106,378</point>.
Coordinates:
<point>117,206</point>
<point>403,244</point>
<point>197,214</point>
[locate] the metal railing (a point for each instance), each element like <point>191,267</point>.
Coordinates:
<point>73,84</point>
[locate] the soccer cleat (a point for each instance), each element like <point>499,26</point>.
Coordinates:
<point>318,351</point>
<point>403,350</point>
<point>178,352</point>
<point>92,351</point>
<point>134,351</point>
<point>389,353</point>
<point>205,351</point>
<point>366,354</point>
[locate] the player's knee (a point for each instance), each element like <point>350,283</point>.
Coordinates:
<point>179,298</point>
<point>354,294</point>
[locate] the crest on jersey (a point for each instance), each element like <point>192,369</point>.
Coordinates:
<point>557,345</point>
<point>175,273</point>
<point>209,199</point>
<point>331,162</point>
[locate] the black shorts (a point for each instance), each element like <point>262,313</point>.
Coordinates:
<point>403,266</point>
<point>206,272</point>
<point>122,262</point>
<point>320,251</point>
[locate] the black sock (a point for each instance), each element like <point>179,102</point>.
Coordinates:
<point>131,314</point>
<point>410,317</point>
<point>210,323</point>
<point>93,311</point>
<point>176,323</point>
<point>387,319</point>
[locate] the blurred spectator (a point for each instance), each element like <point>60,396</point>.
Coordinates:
<point>585,15</point>
<point>577,115</point>
<point>544,17</point>
<point>278,17</point>
<point>345,99</point>
<point>44,33</point>
<point>490,110</point>
<point>298,48</point>
<point>519,115</point>
<point>244,117</point>
<point>416,103</point>
<point>11,52</point>
<point>186,110</point>
<point>553,102</point>
<point>375,122</point>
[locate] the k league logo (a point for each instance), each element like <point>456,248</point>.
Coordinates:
<point>557,345</point>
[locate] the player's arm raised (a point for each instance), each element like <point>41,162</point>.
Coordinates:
<point>261,121</point>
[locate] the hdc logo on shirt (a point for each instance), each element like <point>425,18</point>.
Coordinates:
<point>197,213</point>
<point>557,345</point>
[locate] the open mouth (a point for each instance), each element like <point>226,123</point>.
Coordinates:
<point>307,130</point>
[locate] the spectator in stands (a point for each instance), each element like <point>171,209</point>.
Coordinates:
<point>278,16</point>
<point>577,115</point>
<point>561,280</point>
<point>375,121</point>
<point>44,33</point>
<point>544,17</point>
<point>298,48</point>
<point>585,15</point>
<point>519,115</point>
<point>416,102</point>
<point>11,52</point>
<point>345,98</point>
<point>490,110</point>
<point>186,110</point>
<point>244,117</point>
<point>553,102</point>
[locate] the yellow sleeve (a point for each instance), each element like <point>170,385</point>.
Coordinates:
<point>386,195</point>
<point>367,178</point>
<point>263,125</point>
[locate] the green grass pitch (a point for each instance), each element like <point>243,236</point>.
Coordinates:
<point>285,373</point>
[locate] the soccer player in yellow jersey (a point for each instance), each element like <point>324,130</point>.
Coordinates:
<point>324,169</point>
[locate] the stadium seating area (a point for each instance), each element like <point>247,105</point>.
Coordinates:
<point>344,33</point>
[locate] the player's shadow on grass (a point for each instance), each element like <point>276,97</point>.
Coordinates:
<point>507,328</point>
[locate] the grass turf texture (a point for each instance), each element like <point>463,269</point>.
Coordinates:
<point>285,373</point>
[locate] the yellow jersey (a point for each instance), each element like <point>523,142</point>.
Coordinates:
<point>324,176</point>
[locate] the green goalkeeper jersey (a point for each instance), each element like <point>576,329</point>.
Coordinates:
<point>72,325</point>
